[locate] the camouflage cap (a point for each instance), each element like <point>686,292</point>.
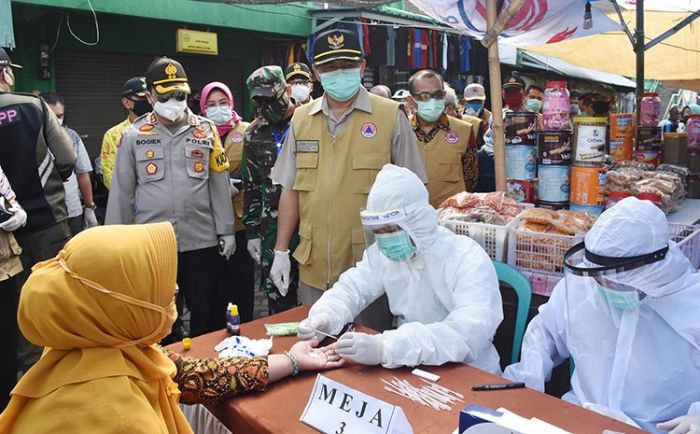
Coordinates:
<point>266,81</point>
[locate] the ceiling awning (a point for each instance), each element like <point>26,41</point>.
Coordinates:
<point>521,58</point>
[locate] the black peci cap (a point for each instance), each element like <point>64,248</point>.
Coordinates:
<point>135,86</point>
<point>336,44</point>
<point>167,75</point>
<point>5,60</point>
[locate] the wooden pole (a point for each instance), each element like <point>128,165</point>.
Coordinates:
<point>639,50</point>
<point>499,149</point>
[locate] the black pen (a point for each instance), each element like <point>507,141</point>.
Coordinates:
<point>505,386</point>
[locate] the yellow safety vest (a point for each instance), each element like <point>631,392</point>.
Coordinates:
<point>443,158</point>
<point>333,178</point>
<point>234,151</point>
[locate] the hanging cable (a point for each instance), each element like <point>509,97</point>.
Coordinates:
<point>97,27</point>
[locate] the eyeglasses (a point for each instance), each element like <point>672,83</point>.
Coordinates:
<point>179,96</point>
<point>427,96</point>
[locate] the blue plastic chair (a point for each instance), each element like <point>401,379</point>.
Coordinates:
<point>523,290</point>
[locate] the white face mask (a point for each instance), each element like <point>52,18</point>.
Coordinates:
<point>301,92</point>
<point>170,110</point>
<point>219,114</point>
<point>60,121</point>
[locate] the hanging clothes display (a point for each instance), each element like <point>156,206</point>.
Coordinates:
<point>465,47</point>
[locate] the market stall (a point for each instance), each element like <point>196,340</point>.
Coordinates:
<point>280,407</point>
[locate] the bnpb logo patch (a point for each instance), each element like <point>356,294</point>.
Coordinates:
<point>368,130</point>
<point>451,137</point>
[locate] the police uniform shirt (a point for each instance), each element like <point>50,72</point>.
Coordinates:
<point>178,174</point>
<point>404,149</point>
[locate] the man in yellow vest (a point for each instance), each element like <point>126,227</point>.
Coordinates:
<point>334,149</point>
<point>448,145</point>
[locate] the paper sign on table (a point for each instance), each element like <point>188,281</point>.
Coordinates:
<point>475,419</point>
<point>335,408</point>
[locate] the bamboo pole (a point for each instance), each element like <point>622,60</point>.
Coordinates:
<point>499,155</point>
<point>504,17</point>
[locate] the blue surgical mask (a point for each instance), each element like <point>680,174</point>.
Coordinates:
<point>396,246</point>
<point>431,110</point>
<point>623,300</point>
<point>341,84</point>
<point>534,105</point>
<point>219,114</point>
<point>474,107</point>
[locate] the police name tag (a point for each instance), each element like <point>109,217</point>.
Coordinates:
<point>334,408</point>
<point>307,145</point>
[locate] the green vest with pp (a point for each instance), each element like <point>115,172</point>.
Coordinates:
<point>333,178</point>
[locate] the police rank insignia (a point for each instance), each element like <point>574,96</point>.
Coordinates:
<point>151,168</point>
<point>335,42</point>
<point>146,127</point>
<point>451,137</point>
<point>196,153</point>
<point>368,130</point>
<point>199,134</point>
<point>150,153</point>
<point>198,166</point>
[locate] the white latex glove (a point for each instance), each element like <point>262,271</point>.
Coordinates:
<point>361,347</point>
<point>307,328</point>
<point>279,272</point>
<point>89,218</point>
<point>682,425</point>
<point>18,219</point>
<point>227,245</point>
<point>232,187</point>
<point>254,249</point>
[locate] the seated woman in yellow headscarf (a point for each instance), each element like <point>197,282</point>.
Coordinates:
<point>99,308</point>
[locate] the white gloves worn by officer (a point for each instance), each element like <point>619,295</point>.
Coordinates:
<point>227,245</point>
<point>18,219</point>
<point>361,348</point>
<point>307,329</point>
<point>279,272</point>
<point>89,218</point>
<point>682,425</point>
<point>255,249</point>
<point>232,187</point>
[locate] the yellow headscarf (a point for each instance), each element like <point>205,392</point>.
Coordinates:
<point>98,308</point>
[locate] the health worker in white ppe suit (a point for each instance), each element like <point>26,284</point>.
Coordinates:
<point>442,287</point>
<point>626,312</point>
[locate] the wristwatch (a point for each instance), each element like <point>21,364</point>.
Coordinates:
<point>90,205</point>
<point>295,364</point>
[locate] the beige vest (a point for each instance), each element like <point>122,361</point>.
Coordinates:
<point>10,264</point>
<point>443,158</point>
<point>333,178</point>
<point>234,151</point>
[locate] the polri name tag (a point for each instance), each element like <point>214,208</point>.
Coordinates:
<point>335,408</point>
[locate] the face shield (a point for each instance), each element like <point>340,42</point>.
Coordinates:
<point>386,229</point>
<point>604,314</point>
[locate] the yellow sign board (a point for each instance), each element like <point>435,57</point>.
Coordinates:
<point>193,41</point>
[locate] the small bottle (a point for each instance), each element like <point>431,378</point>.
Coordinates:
<point>233,321</point>
<point>186,343</point>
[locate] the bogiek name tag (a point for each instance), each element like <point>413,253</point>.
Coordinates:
<point>334,408</point>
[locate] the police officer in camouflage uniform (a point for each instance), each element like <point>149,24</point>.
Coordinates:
<point>271,97</point>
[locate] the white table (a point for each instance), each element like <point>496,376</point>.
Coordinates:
<point>689,214</point>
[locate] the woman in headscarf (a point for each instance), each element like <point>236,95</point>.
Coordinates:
<point>99,308</point>
<point>239,279</point>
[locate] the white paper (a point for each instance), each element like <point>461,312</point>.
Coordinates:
<point>335,408</point>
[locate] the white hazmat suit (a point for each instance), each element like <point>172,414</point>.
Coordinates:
<point>446,297</point>
<point>644,362</point>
